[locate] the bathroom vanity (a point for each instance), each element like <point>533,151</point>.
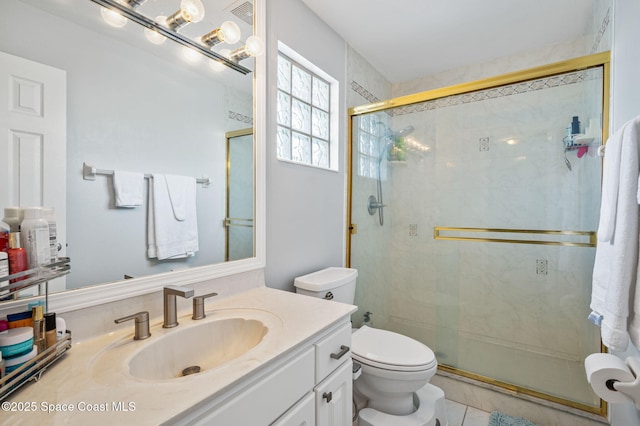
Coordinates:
<point>266,357</point>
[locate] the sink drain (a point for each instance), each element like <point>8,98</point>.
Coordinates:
<point>191,370</point>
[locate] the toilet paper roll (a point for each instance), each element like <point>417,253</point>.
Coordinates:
<point>602,370</point>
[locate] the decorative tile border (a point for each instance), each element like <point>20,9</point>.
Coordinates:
<point>603,29</point>
<point>499,92</point>
<point>239,117</point>
<point>363,92</point>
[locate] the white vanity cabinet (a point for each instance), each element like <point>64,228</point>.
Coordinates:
<point>311,385</point>
<point>334,378</point>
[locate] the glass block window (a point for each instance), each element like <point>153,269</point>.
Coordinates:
<point>303,114</point>
<point>369,131</point>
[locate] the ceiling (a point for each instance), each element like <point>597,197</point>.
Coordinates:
<point>408,39</point>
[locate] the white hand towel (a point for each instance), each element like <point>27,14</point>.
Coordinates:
<point>172,229</point>
<point>616,262</point>
<point>128,188</point>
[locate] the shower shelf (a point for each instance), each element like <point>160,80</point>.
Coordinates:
<point>578,146</point>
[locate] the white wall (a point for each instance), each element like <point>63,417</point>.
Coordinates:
<point>305,205</point>
<point>625,105</point>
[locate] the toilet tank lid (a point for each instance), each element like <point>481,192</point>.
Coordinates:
<point>326,279</point>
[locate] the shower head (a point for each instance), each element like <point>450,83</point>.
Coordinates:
<point>403,132</point>
<point>392,137</point>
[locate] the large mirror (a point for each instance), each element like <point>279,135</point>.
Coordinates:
<point>131,106</point>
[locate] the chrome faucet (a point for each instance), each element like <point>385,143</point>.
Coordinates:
<point>198,306</point>
<point>141,324</point>
<point>170,293</point>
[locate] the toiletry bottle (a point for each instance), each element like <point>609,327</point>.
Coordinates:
<point>35,237</point>
<point>13,218</point>
<point>50,329</point>
<point>17,256</point>
<point>4,271</point>
<point>4,236</point>
<point>575,125</point>
<point>38,329</point>
<point>2,367</point>
<point>50,216</point>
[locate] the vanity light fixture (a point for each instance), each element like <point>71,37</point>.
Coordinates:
<point>158,30</point>
<point>190,55</point>
<point>228,32</point>
<point>190,11</point>
<point>154,36</point>
<point>134,3</point>
<point>113,18</point>
<point>216,65</point>
<point>254,46</point>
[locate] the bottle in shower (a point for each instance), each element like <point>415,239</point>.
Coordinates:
<point>35,237</point>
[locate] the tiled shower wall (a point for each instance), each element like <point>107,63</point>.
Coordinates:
<point>387,284</point>
<point>485,307</point>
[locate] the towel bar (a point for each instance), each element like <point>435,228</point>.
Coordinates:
<point>89,172</point>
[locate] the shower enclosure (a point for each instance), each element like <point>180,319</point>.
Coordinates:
<point>491,204</point>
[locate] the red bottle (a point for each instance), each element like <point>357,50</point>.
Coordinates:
<point>17,256</point>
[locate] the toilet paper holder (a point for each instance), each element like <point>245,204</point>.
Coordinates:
<point>631,389</point>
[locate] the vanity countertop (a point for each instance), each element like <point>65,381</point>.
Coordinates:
<point>91,383</point>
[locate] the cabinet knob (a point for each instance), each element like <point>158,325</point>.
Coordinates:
<point>328,396</point>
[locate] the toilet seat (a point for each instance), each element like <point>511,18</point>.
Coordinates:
<point>390,351</point>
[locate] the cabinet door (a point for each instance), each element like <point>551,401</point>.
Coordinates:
<point>334,398</point>
<point>302,414</point>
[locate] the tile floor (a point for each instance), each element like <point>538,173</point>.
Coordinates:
<point>461,415</point>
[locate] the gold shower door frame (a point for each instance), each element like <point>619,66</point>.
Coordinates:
<point>576,64</point>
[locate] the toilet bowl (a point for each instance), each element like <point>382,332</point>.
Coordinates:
<point>395,369</point>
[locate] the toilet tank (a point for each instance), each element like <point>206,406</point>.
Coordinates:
<point>338,284</point>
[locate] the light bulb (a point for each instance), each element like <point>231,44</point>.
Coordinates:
<point>194,9</point>
<point>254,45</point>
<point>190,11</point>
<point>154,36</point>
<point>228,32</point>
<point>231,32</point>
<point>217,66</point>
<point>113,18</point>
<point>190,55</point>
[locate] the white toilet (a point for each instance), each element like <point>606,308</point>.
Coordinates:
<point>395,369</point>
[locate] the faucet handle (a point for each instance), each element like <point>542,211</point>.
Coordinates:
<point>141,324</point>
<point>198,306</point>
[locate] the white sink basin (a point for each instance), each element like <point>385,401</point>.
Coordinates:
<point>199,347</point>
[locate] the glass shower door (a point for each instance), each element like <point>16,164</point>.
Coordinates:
<point>487,245</point>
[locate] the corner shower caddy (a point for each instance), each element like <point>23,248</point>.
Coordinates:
<point>33,369</point>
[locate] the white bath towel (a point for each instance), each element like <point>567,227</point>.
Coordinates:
<point>616,262</point>
<point>172,229</point>
<point>128,188</point>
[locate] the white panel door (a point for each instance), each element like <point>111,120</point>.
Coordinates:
<point>33,142</point>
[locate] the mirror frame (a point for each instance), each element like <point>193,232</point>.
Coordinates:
<point>84,297</point>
